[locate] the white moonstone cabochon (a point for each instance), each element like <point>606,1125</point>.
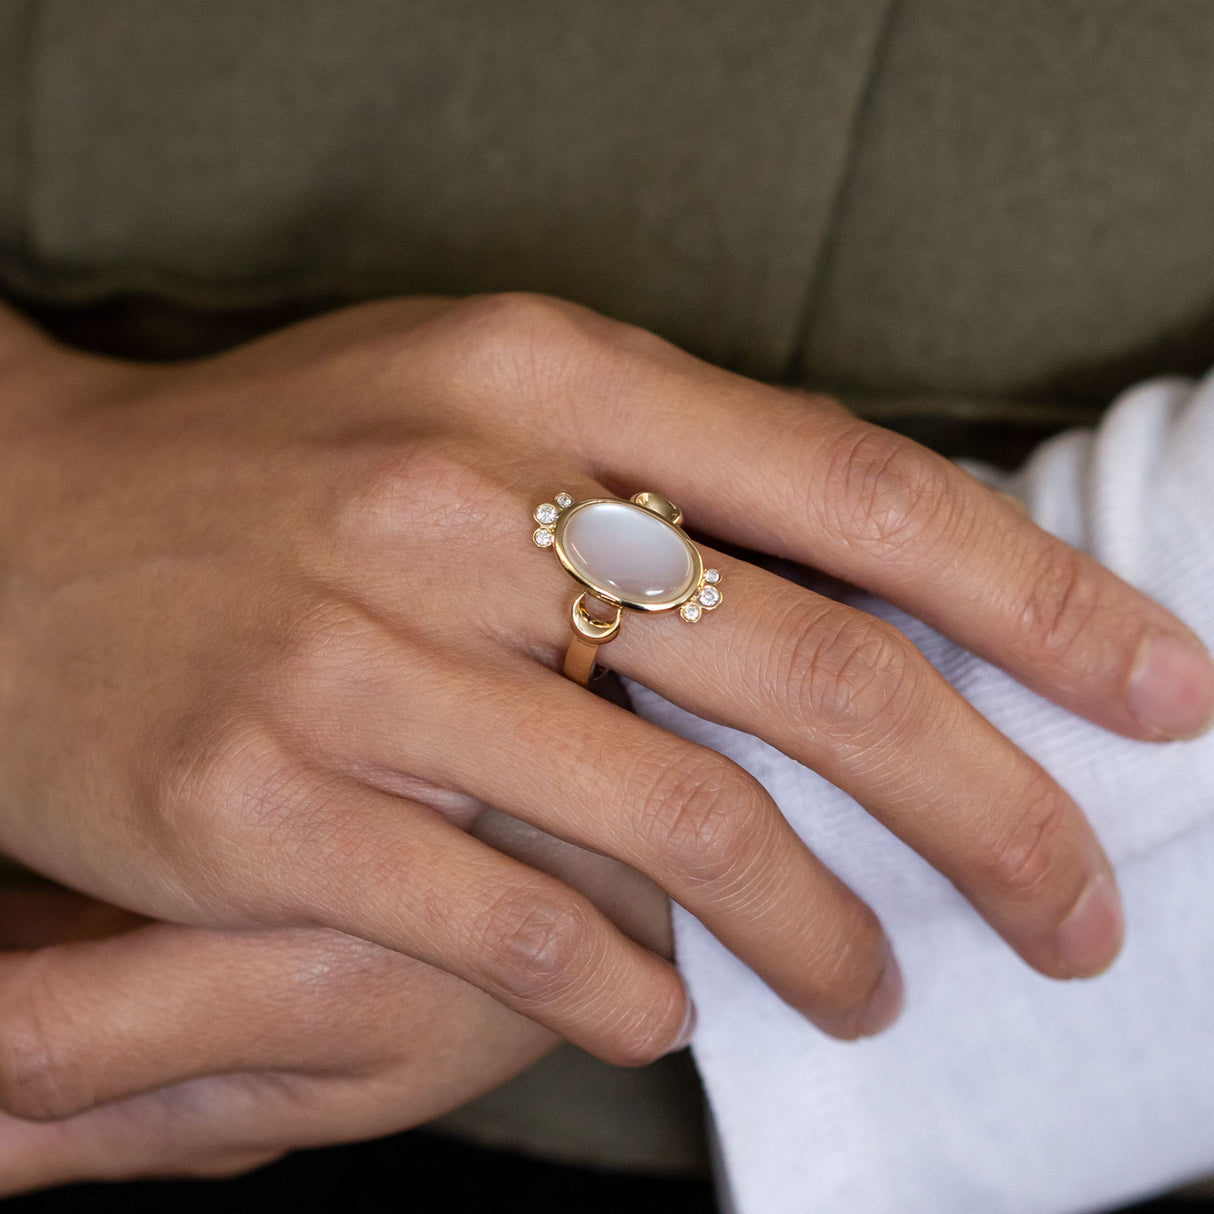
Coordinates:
<point>628,552</point>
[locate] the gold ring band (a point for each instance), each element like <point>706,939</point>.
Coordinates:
<point>626,556</point>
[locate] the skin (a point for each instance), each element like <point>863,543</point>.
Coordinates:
<point>133,1049</point>
<point>161,1050</point>
<point>273,634</point>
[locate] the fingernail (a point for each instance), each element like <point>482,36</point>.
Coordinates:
<point>1091,934</point>
<point>1172,687</point>
<point>682,1041</point>
<point>886,1004</point>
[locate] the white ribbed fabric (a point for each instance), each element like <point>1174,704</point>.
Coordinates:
<point>1001,1090</point>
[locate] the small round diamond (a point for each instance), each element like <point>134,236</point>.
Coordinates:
<point>690,612</point>
<point>710,596</point>
<point>564,501</point>
<point>710,575</point>
<point>546,514</point>
<point>543,538</point>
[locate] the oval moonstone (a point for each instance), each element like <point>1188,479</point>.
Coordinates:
<point>629,552</point>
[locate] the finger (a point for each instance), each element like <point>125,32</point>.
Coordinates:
<point>218,1126</point>
<point>859,502</point>
<point>207,1128</point>
<point>849,696</point>
<point>629,899</point>
<point>703,829</point>
<point>153,1136</point>
<point>840,691</point>
<point>88,1023</point>
<point>388,870</point>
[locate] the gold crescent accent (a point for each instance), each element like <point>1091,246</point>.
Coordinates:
<point>663,507</point>
<point>588,634</point>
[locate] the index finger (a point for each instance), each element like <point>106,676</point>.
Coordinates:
<point>797,477</point>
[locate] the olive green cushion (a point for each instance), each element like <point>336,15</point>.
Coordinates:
<point>975,198</point>
<point>669,163</point>
<point>1030,204</point>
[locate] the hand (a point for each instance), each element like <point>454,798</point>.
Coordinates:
<point>169,1051</point>
<point>272,629</point>
<point>133,1049</point>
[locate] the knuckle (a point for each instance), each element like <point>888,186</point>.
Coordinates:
<point>40,1077</point>
<point>199,792</point>
<point>333,663</point>
<point>1063,602</point>
<point>845,672</point>
<point>216,810</point>
<point>533,942</point>
<point>261,796</point>
<point>883,491</point>
<point>513,312</point>
<point>434,487</point>
<point>517,342</point>
<point>701,815</point>
<point>322,661</point>
<point>1022,860</point>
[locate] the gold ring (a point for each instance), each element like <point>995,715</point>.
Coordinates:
<point>627,556</point>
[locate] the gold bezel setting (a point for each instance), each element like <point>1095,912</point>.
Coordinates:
<point>700,593</point>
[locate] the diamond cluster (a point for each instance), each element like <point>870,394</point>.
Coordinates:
<point>706,597</point>
<point>546,515</point>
